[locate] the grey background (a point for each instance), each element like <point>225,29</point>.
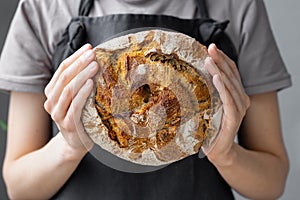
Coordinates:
<point>284,17</point>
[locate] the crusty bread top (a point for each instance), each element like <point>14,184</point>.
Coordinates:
<point>153,102</point>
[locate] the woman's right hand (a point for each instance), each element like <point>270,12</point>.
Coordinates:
<point>67,93</point>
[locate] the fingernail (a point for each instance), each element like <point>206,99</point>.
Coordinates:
<point>89,55</point>
<point>213,45</point>
<point>86,46</point>
<point>208,61</point>
<point>88,83</point>
<point>93,66</point>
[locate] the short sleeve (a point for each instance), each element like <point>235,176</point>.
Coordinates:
<point>260,64</point>
<point>24,63</point>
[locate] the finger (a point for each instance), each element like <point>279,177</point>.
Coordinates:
<point>71,90</point>
<point>231,64</point>
<point>232,116</point>
<point>221,88</point>
<point>213,69</point>
<point>233,93</point>
<point>228,103</point>
<point>225,138</point>
<point>228,85</point>
<point>67,62</point>
<point>79,64</point>
<point>230,80</point>
<point>71,118</point>
<point>72,71</point>
<point>70,60</point>
<point>81,98</point>
<point>75,111</point>
<point>223,60</point>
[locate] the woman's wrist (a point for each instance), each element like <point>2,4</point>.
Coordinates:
<point>67,152</point>
<point>224,159</point>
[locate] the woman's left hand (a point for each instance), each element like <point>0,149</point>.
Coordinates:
<point>235,101</point>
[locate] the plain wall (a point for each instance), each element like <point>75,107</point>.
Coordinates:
<point>284,17</point>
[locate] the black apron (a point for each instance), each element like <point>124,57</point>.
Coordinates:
<point>190,178</point>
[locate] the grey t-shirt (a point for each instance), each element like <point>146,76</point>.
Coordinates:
<point>38,26</point>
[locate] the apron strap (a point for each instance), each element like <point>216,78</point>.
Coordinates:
<point>85,7</point>
<point>202,8</point>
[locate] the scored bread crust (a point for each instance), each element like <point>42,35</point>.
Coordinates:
<point>153,102</point>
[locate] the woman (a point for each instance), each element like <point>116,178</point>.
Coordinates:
<point>39,166</point>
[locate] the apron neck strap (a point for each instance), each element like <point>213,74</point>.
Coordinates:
<point>85,7</point>
<point>202,8</point>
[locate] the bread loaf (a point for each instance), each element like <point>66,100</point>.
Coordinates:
<point>153,102</point>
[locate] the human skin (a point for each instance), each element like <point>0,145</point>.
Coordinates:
<point>256,167</point>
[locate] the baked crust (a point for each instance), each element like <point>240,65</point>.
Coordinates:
<point>153,102</point>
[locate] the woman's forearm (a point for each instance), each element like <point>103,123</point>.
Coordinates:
<point>257,175</point>
<point>35,168</point>
<point>40,174</point>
